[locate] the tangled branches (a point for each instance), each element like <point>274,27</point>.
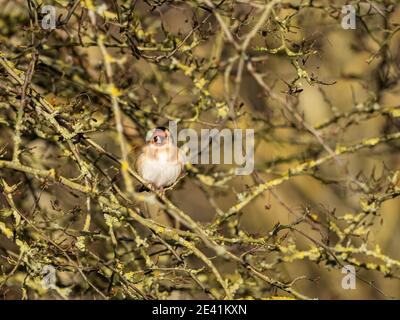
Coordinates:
<point>77,98</point>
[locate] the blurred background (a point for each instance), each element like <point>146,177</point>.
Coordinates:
<point>323,102</point>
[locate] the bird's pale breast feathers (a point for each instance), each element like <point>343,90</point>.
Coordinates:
<point>160,165</point>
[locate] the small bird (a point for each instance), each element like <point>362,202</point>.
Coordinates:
<point>160,162</point>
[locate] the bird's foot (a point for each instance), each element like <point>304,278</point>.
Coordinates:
<point>161,190</point>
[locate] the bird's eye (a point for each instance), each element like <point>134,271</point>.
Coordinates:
<point>158,139</point>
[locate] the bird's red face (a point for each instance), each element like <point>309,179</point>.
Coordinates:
<point>160,137</point>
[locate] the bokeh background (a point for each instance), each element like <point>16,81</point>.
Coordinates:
<point>326,89</point>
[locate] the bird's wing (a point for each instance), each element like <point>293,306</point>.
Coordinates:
<point>139,162</point>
